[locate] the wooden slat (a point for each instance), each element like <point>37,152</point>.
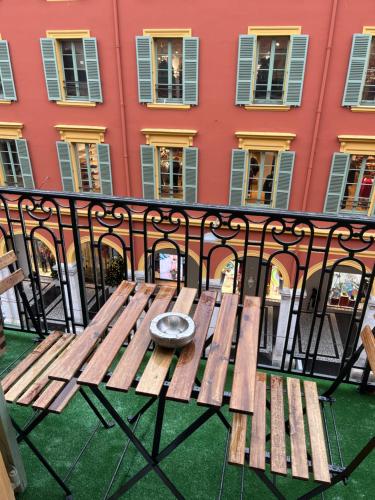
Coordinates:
<point>11,280</point>
<point>6,489</point>
<point>368,340</point>
<point>37,368</point>
<point>317,440</point>
<point>128,365</point>
<point>278,452</point>
<point>188,362</point>
<point>7,259</point>
<point>57,395</point>
<point>237,443</point>
<point>242,398</point>
<point>87,340</point>
<point>158,365</point>
<point>257,458</point>
<point>212,386</point>
<point>104,355</point>
<point>30,359</point>
<point>297,430</point>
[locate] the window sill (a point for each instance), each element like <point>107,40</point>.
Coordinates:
<point>157,105</point>
<point>267,107</point>
<point>5,102</point>
<point>83,104</point>
<point>363,109</point>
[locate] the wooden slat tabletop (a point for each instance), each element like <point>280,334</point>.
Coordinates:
<point>278,450</point>
<point>212,386</point>
<point>297,430</point>
<point>86,341</point>
<point>257,458</point>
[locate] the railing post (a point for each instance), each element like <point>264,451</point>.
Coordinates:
<point>71,277</point>
<point>79,262</point>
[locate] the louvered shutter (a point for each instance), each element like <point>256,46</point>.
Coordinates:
<point>90,50</point>
<point>296,73</point>
<point>6,74</point>
<point>48,48</point>
<point>245,69</point>
<point>284,179</point>
<point>190,169</point>
<point>148,171</point>
<point>237,177</point>
<point>104,159</point>
<point>190,70</point>
<point>25,164</point>
<point>65,162</point>
<point>359,56</point>
<point>144,68</point>
<point>336,183</point>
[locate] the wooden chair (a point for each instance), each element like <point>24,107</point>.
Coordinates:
<point>310,452</point>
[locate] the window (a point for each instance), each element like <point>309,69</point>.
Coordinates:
<point>71,68</point>
<point>10,164</point>
<point>262,170</point>
<point>271,67</point>
<point>260,183</point>
<point>167,63</point>
<point>169,165</point>
<point>15,165</point>
<point>368,95</point>
<point>7,88</point>
<point>84,160</point>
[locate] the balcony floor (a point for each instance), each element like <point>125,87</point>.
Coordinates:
<point>195,466</point>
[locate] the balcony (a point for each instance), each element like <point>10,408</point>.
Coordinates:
<point>313,272</point>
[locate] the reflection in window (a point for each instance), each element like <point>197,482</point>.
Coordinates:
<point>368,95</point>
<point>1,89</point>
<point>359,184</point>
<point>261,177</point>
<point>88,169</point>
<point>170,168</point>
<point>74,67</point>
<point>271,62</point>
<point>10,163</point>
<point>168,53</point>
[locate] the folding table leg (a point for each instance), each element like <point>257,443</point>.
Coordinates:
<point>141,411</point>
<point>272,487</point>
<point>106,425</point>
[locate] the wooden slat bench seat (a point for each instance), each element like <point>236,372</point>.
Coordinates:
<point>368,340</point>
<point>299,441</point>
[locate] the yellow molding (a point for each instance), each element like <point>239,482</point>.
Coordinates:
<point>274,30</point>
<point>169,137</point>
<point>5,102</point>
<point>81,104</point>
<point>267,107</point>
<point>363,109</point>
<point>11,130</point>
<point>157,105</point>
<point>264,141</point>
<point>66,34</point>
<point>167,32</point>
<point>357,144</point>
<point>81,133</point>
<point>368,30</point>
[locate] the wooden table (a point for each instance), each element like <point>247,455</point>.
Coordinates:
<point>89,357</point>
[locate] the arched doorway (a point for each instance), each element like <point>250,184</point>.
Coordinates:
<point>168,268</point>
<point>107,259</point>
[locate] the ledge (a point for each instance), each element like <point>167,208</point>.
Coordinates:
<point>357,144</point>
<point>265,141</point>
<point>61,34</point>
<point>267,107</point>
<point>11,130</point>
<point>363,109</point>
<point>169,137</point>
<point>5,102</point>
<point>167,32</point>
<point>81,133</point>
<point>157,105</point>
<point>274,30</point>
<point>82,104</point>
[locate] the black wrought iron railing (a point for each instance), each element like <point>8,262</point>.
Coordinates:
<point>313,272</point>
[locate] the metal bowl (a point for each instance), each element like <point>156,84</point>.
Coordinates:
<point>172,329</point>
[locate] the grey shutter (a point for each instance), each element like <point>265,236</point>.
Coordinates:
<point>48,48</point>
<point>148,171</point>
<point>6,74</point>
<point>104,160</point>
<point>25,164</point>
<point>144,68</point>
<point>296,73</point>
<point>284,179</point>
<point>190,168</point>
<point>65,162</point>
<point>190,70</point>
<point>90,50</point>
<point>336,183</point>
<point>356,70</point>
<point>245,69</point>
<point>237,176</point>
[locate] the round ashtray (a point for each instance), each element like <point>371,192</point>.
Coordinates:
<point>172,329</point>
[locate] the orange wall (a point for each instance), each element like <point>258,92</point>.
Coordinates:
<point>218,24</point>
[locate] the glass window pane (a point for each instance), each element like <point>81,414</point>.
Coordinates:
<point>169,68</point>
<point>10,163</point>
<point>171,172</point>
<point>261,174</point>
<point>271,62</point>
<point>87,161</point>
<point>369,85</point>
<point>74,69</point>
<point>359,184</point>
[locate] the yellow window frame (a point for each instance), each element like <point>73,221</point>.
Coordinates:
<point>9,131</point>
<point>164,33</point>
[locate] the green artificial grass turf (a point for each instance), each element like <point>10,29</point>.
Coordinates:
<point>195,467</point>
